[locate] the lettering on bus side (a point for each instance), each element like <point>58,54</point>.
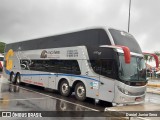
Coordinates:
<point>97,52</point>
<point>72,53</point>
<point>50,54</point>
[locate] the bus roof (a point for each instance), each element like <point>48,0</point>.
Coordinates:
<point>78,38</point>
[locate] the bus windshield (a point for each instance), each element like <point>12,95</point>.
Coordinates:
<point>125,39</point>
<point>135,71</point>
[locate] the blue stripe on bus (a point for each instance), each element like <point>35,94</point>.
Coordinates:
<point>7,71</point>
<point>71,75</point>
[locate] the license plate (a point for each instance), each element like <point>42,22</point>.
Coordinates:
<point>138,99</point>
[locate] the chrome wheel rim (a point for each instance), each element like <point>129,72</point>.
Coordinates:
<point>80,91</point>
<point>65,88</point>
<point>63,106</point>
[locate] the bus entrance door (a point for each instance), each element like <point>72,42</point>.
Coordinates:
<point>106,89</point>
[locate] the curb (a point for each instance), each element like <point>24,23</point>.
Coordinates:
<point>153,85</point>
<point>154,92</point>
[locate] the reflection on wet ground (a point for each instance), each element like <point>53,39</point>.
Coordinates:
<point>91,103</point>
<point>33,98</point>
<point>13,98</point>
<point>22,98</point>
<point>152,98</point>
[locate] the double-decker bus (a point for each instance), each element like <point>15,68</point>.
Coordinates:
<point>101,63</point>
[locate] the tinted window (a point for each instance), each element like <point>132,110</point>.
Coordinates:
<point>55,66</point>
<point>126,39</point>
<point>68,66</point>
<point>104,67</point>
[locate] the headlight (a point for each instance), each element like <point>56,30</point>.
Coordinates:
<point>126,92</point>
<point>123,90</point>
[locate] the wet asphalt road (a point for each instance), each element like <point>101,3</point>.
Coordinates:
<point>29,97</point>
<point>32,98</point>
<point>152,98</point>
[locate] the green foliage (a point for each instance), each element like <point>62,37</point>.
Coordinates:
<point>157,53</point>
<point>151,58</point>
<point>148,58</point>
<point>2,46</point>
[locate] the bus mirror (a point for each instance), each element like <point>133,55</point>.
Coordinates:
<point>126,50</point>
<point>155,57</point>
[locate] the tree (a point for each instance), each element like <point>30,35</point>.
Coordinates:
<point>151,58</point>
<point>157,53</point>
<point>148,58</point>
<point>2,46</point>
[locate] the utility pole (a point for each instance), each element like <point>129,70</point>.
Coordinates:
<point>129,15</point>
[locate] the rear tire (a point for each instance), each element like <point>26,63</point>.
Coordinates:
<point>12,78</point>
<point>65,89</point>
<point>18,79</point>
<point>80,91</point>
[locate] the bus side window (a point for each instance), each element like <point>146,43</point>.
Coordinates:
<point>75,68</point>
<point>96,66</point>
<point>51,66</point>
<point>107,68</point>
<point>55,66</point>
<point>68,67</point>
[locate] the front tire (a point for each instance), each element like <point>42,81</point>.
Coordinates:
<point>80,91</point>
<point>65,89</point>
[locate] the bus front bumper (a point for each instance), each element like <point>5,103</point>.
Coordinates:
<point>125,94</point>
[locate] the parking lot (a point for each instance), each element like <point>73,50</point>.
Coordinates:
<point>32,98</point>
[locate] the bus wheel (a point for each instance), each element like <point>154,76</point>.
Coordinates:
<point>18,79</point>
<point>12,78</point>
<point>64,88</point>
<point>80,91</point>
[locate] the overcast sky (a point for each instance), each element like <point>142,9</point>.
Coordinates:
<point>27,19</point>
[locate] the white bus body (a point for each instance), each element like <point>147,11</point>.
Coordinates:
<point>73,68</point>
